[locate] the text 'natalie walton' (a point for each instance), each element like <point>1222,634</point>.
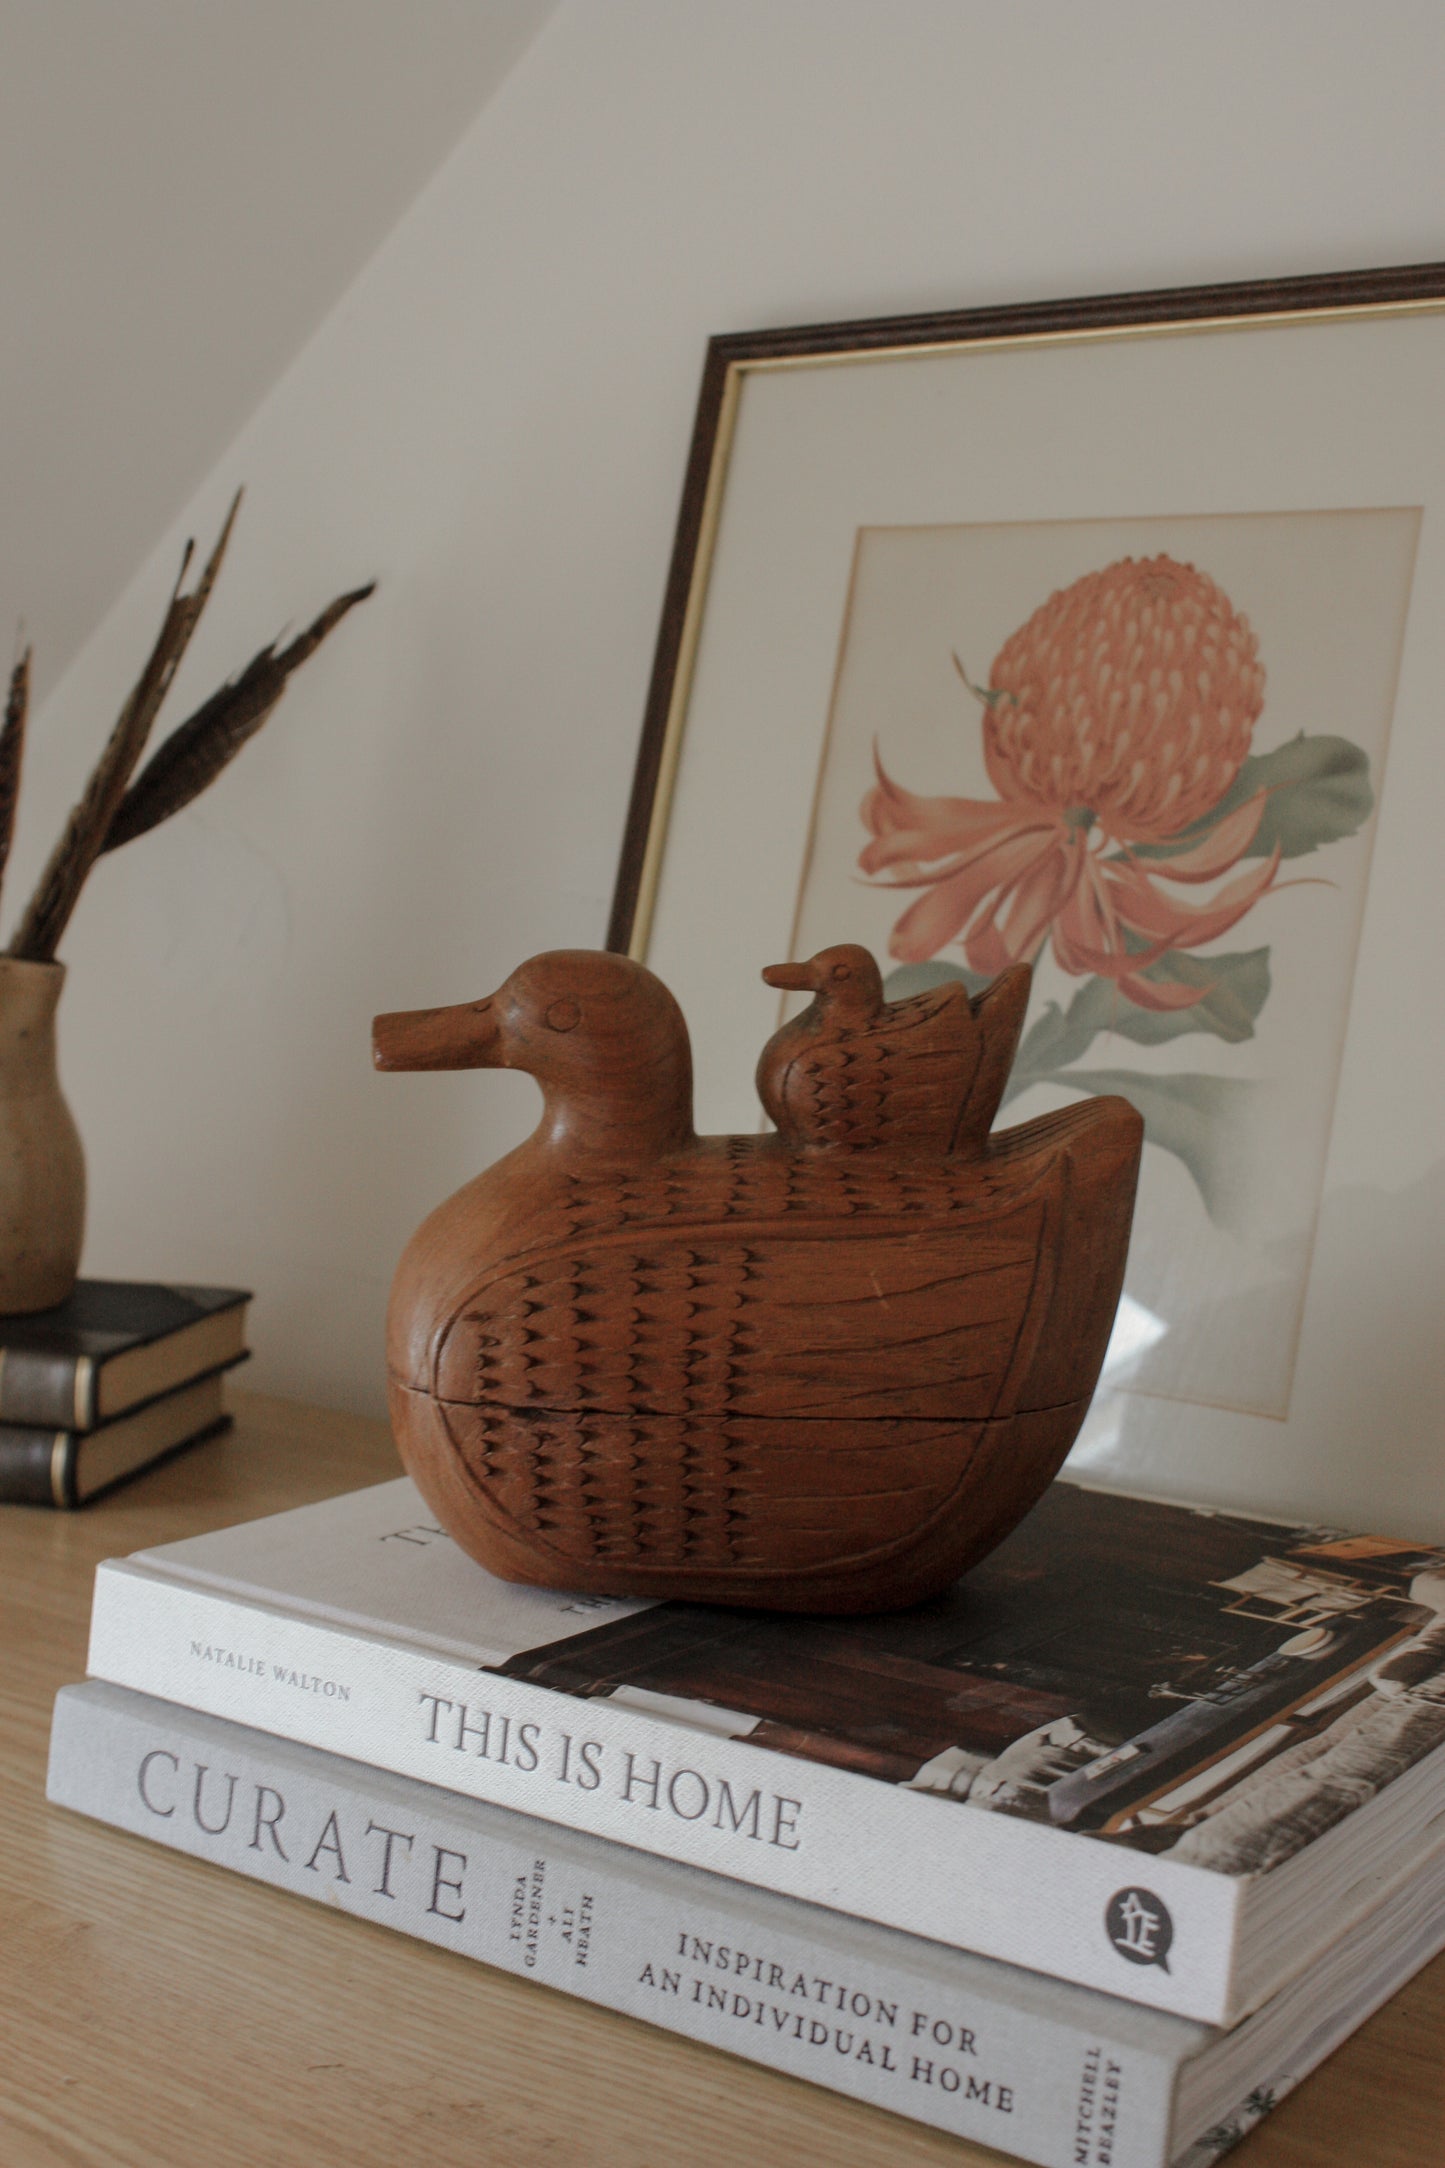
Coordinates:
<point>259,1667</point>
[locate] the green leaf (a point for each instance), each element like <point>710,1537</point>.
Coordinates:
<point>1236,989</point>
<point>1237,986</point>
<point>1058,1036</point>
<point>1319,792</point>
<point>1205,1121</point>
<point>922,978</point>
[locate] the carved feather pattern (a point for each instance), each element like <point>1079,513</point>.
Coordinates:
<point>897,1084</point>
<point>707,1494</point>
<point>920,1325</point>
<point>794,1286</point>
<point>798,1369</point>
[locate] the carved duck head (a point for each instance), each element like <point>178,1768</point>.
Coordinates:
<point>845,980</point>
<point>602,1036</point>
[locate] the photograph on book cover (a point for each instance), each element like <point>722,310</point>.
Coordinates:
<point>1103,636</point>
<point>1195,1685</point>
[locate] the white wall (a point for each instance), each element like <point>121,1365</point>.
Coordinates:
<point>493,421</point>
<point>185,190</point>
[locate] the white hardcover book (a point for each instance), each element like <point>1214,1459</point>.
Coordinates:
<point>1164,1753</point>
<point>1058,2074</point>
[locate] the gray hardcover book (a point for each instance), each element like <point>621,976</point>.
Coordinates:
<point>1058,2074</point>
<point>1165,1753</point>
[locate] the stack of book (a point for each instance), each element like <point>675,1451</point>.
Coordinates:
<point>109,1382</point>
<point>1090,1860</point>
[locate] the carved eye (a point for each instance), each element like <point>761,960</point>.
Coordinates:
<point>564,1015</point>
<point>841,971</point>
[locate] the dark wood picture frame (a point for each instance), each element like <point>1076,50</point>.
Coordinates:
<point>729,356</point>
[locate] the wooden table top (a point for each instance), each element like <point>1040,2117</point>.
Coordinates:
<point>158,2012</point>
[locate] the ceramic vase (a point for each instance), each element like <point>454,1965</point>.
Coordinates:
<point>42,1167</point>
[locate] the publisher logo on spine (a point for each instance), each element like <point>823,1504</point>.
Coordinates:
<point>1138,1924</point>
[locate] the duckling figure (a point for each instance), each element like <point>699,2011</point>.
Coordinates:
<point>805,1371</point>
<point>856,1073</point>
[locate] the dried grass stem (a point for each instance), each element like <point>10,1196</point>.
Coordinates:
<point>12,748</point>
<point>48,913</point>
<point>199,748</point>
<point>114,808</point>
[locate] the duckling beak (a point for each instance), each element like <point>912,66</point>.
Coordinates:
<point>792,978</point>
<point>465,1037</point>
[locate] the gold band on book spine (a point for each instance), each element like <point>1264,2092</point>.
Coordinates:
<point>57,1467</point>
<point>84,1373</point>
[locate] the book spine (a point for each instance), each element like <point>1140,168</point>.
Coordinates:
<point>956,2043</point>
<point>37,1467</point>
<point>56,1392</point>
<point>994,1883</point>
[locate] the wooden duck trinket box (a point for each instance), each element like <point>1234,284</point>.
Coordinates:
<point>824,1369</point>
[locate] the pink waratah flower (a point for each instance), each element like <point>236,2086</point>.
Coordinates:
<point>1119,715</point>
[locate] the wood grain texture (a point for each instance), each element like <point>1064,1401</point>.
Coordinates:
<point>825,1369</point>
<point>42,1161</point>
<point>158,2012</point>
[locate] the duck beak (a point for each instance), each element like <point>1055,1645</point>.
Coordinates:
<point>792,978</point>
<point>465,1037</point>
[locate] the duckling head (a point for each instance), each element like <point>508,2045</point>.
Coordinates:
<point>601,1034</point>
<point>845,980</point>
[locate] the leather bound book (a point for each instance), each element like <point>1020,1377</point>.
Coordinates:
<point>112,1345</point>
<point>40,1467</point>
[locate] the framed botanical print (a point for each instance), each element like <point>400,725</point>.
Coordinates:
<point>1106,636</point>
